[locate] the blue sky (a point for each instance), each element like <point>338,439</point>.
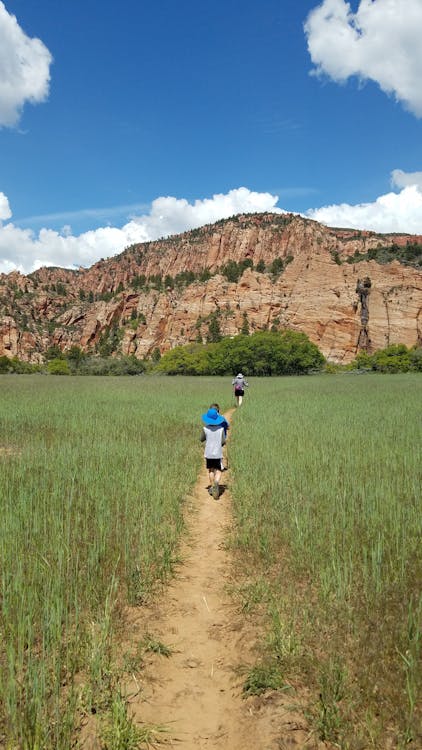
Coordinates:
<point>129,121</point>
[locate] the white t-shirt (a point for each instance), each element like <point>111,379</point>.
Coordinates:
<point>214,440</point>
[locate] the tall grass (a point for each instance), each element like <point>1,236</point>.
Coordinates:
<point>327,497</point>
<point>93,473</point>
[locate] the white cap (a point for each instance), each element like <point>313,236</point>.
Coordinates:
<point>240,375</point>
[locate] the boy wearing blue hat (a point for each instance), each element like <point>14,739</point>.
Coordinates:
<point>225,427</point>
<point>214,436</point>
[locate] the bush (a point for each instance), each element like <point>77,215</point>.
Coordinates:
<point>4,365</point>
<point>58,367</point>
<point>111,366</point>
<point>15,365</point>
<point>75,356</point>
<point>393,359</point>
<point>416,359</point>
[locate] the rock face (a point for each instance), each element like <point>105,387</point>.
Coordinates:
<point>136,302</point>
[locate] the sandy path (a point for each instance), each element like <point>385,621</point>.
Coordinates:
<point>197,692</point>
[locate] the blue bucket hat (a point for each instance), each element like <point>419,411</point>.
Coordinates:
<point>213,417</point>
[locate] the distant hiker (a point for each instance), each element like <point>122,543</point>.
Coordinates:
<point>213,434</point>
<point>239,383</point>
<point>225,426</point>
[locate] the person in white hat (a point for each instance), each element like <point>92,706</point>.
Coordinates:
<point>239,384</point>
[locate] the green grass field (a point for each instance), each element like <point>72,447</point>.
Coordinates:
<point>327,498</point>
<point>93,472</point>
<point>326,481</point>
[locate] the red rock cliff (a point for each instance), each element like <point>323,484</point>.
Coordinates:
<point>313,290</point>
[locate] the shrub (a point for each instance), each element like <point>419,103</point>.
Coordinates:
<point>58,367</point>
<point>53,352</point>
<point>111,366</point>
<point>416,358</point>
<point>16,366</point>
<point>4,364</point>
<point>393,359</point>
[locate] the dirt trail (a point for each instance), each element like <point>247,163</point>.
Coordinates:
<point>197,691</point>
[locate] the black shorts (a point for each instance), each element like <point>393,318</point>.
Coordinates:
<point>239,392</point>
<point>213,463</point>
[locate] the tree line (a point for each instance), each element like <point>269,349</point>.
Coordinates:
<point>263,353</point>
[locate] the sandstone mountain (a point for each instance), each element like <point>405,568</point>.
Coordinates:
<point>261,271</point>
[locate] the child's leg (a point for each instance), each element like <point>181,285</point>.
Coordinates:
<point>215,487</point>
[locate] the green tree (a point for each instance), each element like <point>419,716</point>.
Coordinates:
<point>75,355</point>
<point>232,271</point>
<point>205,275</point>
<point>214,330</point>
<point>262,353</point>
<point>276,267</point>
<point>245,325</point>
<point>169,282</point>
<point>5,364</point>
<point>53,352</point>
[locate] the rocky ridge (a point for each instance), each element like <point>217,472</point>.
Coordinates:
<point>160,294</point>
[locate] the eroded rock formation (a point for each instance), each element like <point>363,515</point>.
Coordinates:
<point>363,288</point>
<point>318,291</point>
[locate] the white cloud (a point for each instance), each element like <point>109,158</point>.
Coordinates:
<point>170,215</point>
<point>402,179</point>
<point>24,250</point>
<point>24,69</point>
<point>392,212</point>
<point>380,42</point>
<point>5,212</point>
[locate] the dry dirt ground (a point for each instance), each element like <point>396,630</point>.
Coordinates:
<point>196,692</point>
<point>8,452</point>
